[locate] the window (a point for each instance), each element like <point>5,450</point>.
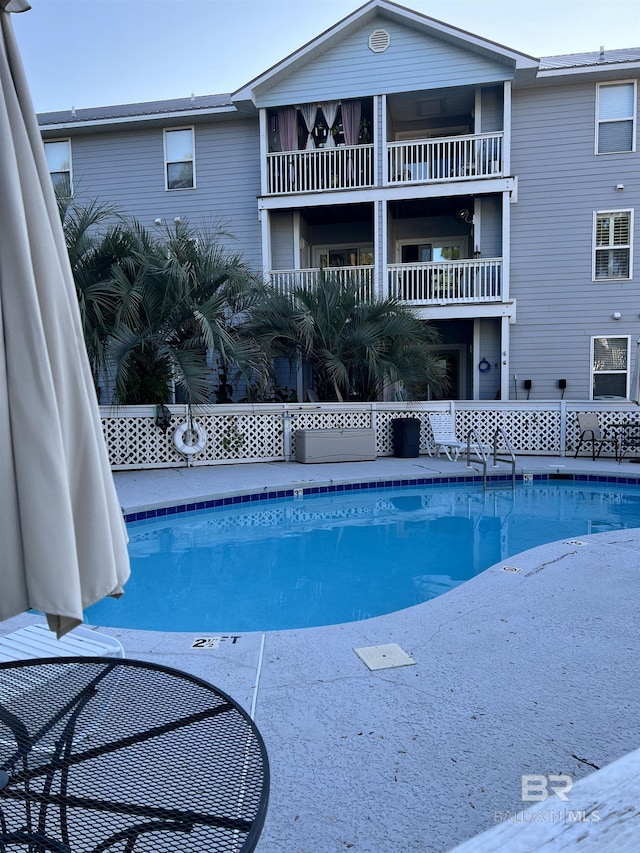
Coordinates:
<point>612,245</point>
<point>616,118</point>
<point>439,250</point>
<point>58,156</point>
<point>179,159</point>
<point>610,367</point>
<point>351,256</point>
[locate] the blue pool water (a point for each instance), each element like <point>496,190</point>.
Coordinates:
<point>326,559</point>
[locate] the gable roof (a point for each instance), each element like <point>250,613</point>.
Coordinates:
<point>379,11</point>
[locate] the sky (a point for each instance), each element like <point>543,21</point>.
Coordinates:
<point>88,53</point>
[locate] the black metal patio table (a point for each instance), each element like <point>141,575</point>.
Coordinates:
<point>104,754</point>
<point>627,440</point>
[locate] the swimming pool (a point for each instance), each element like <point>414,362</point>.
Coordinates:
<point>329,558</point>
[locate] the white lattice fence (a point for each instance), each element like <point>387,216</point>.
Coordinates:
<point>249,437</point>
<point>528,431</point>
<point>266,433</point>
<point>134,440</point>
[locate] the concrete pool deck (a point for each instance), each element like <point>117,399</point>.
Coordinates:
<point>526,672</point>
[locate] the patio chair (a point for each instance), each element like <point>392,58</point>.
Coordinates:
<point>37,641</point>
<point>591,434</point>
<point>443,427</point>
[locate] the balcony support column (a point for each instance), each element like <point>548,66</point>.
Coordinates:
<point>380,160</point>
<point>264,147</point>
<point>475,350</point>
<point>506,244</point>
<point>380,221</point>
<point>504,358</point>
<point>265,228</point>
<point>506,143</point>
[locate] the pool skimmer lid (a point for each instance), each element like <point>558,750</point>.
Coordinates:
<point>384,657</point>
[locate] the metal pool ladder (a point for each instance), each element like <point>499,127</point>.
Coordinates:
<point>477,453</point>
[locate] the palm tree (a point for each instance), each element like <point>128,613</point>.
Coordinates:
<point>180,299</point>
<point>96,241</point>
<point>155,308</point>
<point>352,345</point>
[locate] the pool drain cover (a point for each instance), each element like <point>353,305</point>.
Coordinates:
<point>384,657</point>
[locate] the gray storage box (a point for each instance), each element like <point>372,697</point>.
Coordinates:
<point>335,445</point>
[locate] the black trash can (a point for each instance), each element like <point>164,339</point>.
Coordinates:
<point>406,437</point>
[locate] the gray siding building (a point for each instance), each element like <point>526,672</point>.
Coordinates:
<point>492,191</point>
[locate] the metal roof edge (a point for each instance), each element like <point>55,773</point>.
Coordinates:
<point>75,123</point>
<point>593,69</point>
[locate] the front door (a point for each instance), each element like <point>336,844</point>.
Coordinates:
<point>452,361</point>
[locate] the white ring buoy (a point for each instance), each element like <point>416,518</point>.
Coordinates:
<point>189,438</point>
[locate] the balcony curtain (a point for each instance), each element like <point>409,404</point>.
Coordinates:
<point>330,111</point>
<point>288,128</point>
<point>309,113</point>
<point>351,111</point>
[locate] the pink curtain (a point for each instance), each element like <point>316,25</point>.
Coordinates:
<point>288,127</point>
<point>351,111</point>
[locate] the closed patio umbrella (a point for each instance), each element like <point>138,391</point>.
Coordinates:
<point>62,535</point>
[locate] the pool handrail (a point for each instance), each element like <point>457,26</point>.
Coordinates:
<point>480,455</point>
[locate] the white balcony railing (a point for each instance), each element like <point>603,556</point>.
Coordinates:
<point>285,280</point>
<point>446,282</point>
<point>319,169</point>
<point>452,158</point>
<point>440,283</point>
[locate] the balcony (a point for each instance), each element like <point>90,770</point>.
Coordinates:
<point>285,280</point>
<point>320,169</point>
<point>455,158</point>
<point>348,167</point>
<point>446,283</point>
<point>442,283</point>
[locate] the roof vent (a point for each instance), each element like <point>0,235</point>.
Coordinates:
<point>379,41</point>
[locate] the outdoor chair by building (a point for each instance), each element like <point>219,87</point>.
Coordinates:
<point>592,436</point>
<point>443,428</point>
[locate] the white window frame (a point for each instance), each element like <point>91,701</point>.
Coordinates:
<point>594,372</point>
<point>168,162</point>
<point>66,139</point>
<point>632,117</point>
<point>628,246</point>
